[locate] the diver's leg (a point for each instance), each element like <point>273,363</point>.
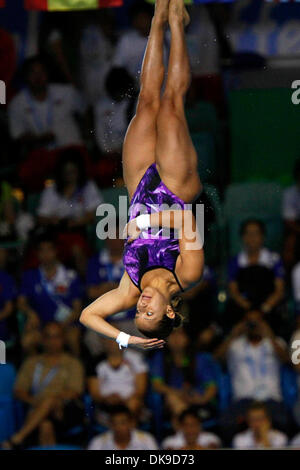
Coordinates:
<point>175,153</point>
<point>140,140</point>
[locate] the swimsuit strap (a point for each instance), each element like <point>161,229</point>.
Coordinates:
<point>160,267</point>
<point>177,280</point>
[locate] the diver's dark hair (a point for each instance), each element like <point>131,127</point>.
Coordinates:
<point>167,324</point>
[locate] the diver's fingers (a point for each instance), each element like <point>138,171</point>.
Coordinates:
<point>154,344</point>
<point>154,340</point>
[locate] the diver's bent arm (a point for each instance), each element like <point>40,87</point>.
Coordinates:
<point>114,301</point>
<point>94,315</point>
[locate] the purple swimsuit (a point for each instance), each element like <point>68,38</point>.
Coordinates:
<point>152,250</point>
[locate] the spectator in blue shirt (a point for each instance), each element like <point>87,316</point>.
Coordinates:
<point>8,295</point>
<point>184,379</point>
<point>50,293</point>
<point>256,277</point>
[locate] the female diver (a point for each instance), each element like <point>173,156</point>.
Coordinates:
<point>160,167</point>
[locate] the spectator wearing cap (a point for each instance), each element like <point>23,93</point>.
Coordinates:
<point>260,433</point>
<point>122,434</point>
<point>190,435</point>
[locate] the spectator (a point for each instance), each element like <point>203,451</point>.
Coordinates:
<point>97,46</point>
<point>112,114</point>
<point>254,356</point>
<point>131,57</point>
<point>50,385</point>
<point>291,217</point>
<point>122,434</point>
<point>8,294</point>
<point>256,277</point>
<point>184,378</point>
<point>50,293</point>
<point>114,111</point>
<point>260,433</point>
<point>120,378</point>
<point>43,114</point>
<point>68,206</point>
<point>190,435</point>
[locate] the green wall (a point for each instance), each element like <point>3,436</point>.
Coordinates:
<point>265,135</point>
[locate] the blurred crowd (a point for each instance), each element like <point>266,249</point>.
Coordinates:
<point>226,378</point>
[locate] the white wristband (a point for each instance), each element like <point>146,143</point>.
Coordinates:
<point>122,340</point>
<point>143,221</point>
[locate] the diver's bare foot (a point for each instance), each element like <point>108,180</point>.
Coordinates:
<point>161,10</point>
<point>178,10</point>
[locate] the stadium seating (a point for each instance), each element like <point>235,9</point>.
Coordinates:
<point>260,200</point>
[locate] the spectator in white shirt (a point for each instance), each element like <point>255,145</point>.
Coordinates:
<point>122,434</point>
<point>254,356</point>
<point>260,434</point>
<point>68,206</point>
<point>119,379</point>
<point>190,435</point>
<point>45,115</point>
<point>291,217</point>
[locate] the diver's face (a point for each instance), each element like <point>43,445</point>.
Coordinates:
<point>151,308</point>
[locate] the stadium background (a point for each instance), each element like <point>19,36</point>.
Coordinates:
<point>245,56</point>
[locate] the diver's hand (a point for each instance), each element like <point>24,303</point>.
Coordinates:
<point>143,343</point>
<point>132,231</point>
